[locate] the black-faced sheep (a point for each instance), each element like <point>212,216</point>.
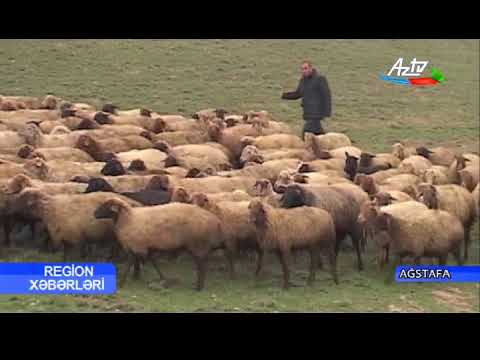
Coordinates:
<point>437,156</point>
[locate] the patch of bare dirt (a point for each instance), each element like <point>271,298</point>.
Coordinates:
<point>407,306</point>
<point>455,299</point>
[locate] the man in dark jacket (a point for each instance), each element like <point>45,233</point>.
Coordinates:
<point>316,99</point>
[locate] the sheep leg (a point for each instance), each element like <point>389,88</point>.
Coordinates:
<point>442,260</point>
<point>458,256</point>
<point>157,269</point>
<point>332,259</point>
<point>467,243</point>
<point>387,248</point>
<point>391,271</point>
<point>356,244</point>
<point>283,257</point>
<point>66,251</point>
<point>7,226</point>
<point>201,271</point>
<point>260,253</point>
<point>417,260</point>
<point>136,268</point>
<point>313,265</point>
<point>130,260</point>
<point>229,254</point>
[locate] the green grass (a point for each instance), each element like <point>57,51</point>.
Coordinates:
<point>239,75</point>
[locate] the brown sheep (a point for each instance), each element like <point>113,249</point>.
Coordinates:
<point>476,197</point>
<point>60,153</point>
<point>275,141</point>
<point>453,199</point>
<point>238,232</point>
<point>414,165</point>
<point>338,202</point>
<point>322,165</point>
<point>330,141</point>
<point>216,184</point>
<point>402,152</point>
<point>369,163</point>
<point>421,233</point>
<point>198,156</point>
<point>437,156</point>
<point>152,158</point>
<point>169,227</point>
<point>176,138</point>
<point>469,177</point>
<point>231,137</point>
<point>288,230</point>
<point>436,175</point>
<point>268,170</point>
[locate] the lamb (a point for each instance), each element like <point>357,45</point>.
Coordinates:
<point>436,175</point>
<point>275,141</point>
<point>101,150</point>
<point>176,138</point>
<point>330,141</point>
<point>341,205</point>
<point>423,233</point>
<point>414,165</point>
<point>152,158</point>
<point>69,218</point>
<point>238,232</point>
<point>49,154</point>
<point>169,227</point>
<point>300,228</point>
<point>402,152</point>
<point>453,199</point>
<point>437,156</point>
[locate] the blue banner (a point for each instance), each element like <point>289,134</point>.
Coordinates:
<point>58,278</point>
<point>437,273</point>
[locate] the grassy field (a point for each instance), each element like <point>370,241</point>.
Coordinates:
<point>181,76</point>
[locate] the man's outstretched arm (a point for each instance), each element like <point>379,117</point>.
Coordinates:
<point>294,95</point>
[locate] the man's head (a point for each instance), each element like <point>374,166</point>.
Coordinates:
<point>307,68</point>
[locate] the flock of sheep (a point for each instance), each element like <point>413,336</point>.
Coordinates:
<point>149,183</point>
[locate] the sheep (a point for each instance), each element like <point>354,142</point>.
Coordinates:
<point>199,156</point>
<point>284,153</point>
<point>275,141</point>
<point>69,218</point>
<point>176,138</point>
<point>300,228</point>
<point>124,183</point>
<point>169,227</point>
<point>209,114</point>
<point>237,195</point>
<point>269,170</point>
<point>10,139</point>
<point>126,130</point>
<point>341,152</point>
<point>367,217</point>
<point>398,182</point>
<point>382,175</point>
<point>421,233</point>
<point>63,170</point>
<point>414,165</point>
<point>369,164</point>
<point>402,152</point>
<point>437,156</point>
<point>330,141</point>
<point>436,175</point>
<point>152,158</point>
<point>338,202</point>
<point>263,189</point>
<point>101,150</point>
<point>183,125</point>
<point>369,185</point>
<point>453,199</point>
<point>231,137</point>
<point>351,166</point>
<point>469,177</point>
<point>21,182</point>
<point>322,165</point>
<point>238,232</point>
<point>29,115</point>
<point>476,197</point>
<point>317,178</point>
<point>59,153</point>
<point>25,102</point>
<point>34,137</point>
<point>48,125</point>
<point>35,168</point>
<point>216,184</point>
<point>458,164</point>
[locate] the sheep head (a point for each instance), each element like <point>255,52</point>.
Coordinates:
<point>466,180</point>
<point>201,200</point>
<point>429,196</point>
<point>49,102</point>
<point>311,143</point>
<point>29,203</point>
<point>145,112</point>
<point>37,167</point>
<point>98,184</point>
<point>83,179</point>
<point>304,167</point>
<point>25,151</point>
<point>351,165</point>
<point>87,124</point>
<point>250,154</point>
<point>293,196</point>
<point>171,161</point>
<point>111,209</point>
<point>180,195</point>
<point>367,183</point>
<point>158,182</point>
<point>163,146</point>
<point>284,179</point>
<point>230,122</point>
<point>398,150</point>
<point>366,159</point>
<point>32,135</point>
<point>257,213</point>
<point>263,187</point>
<point>300,178</point>
<point>214,132</point>
<point>18,183</point>
<point>383,198</point>
<point>461,162</point>
<point>110,108</point>
<point>90,146</point>
<point>103,118</point>
<point>113,168</point>
<point>411,191</point>
<point>220,113</point>
<point>193,173</point>
<point>423,151</point>
<point>159,125</point>
<point>137,165</point>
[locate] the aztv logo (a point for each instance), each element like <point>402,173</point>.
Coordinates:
<point>416,68</point>
<point>410,75</point>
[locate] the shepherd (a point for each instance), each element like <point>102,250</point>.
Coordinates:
<point>316,98</point>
